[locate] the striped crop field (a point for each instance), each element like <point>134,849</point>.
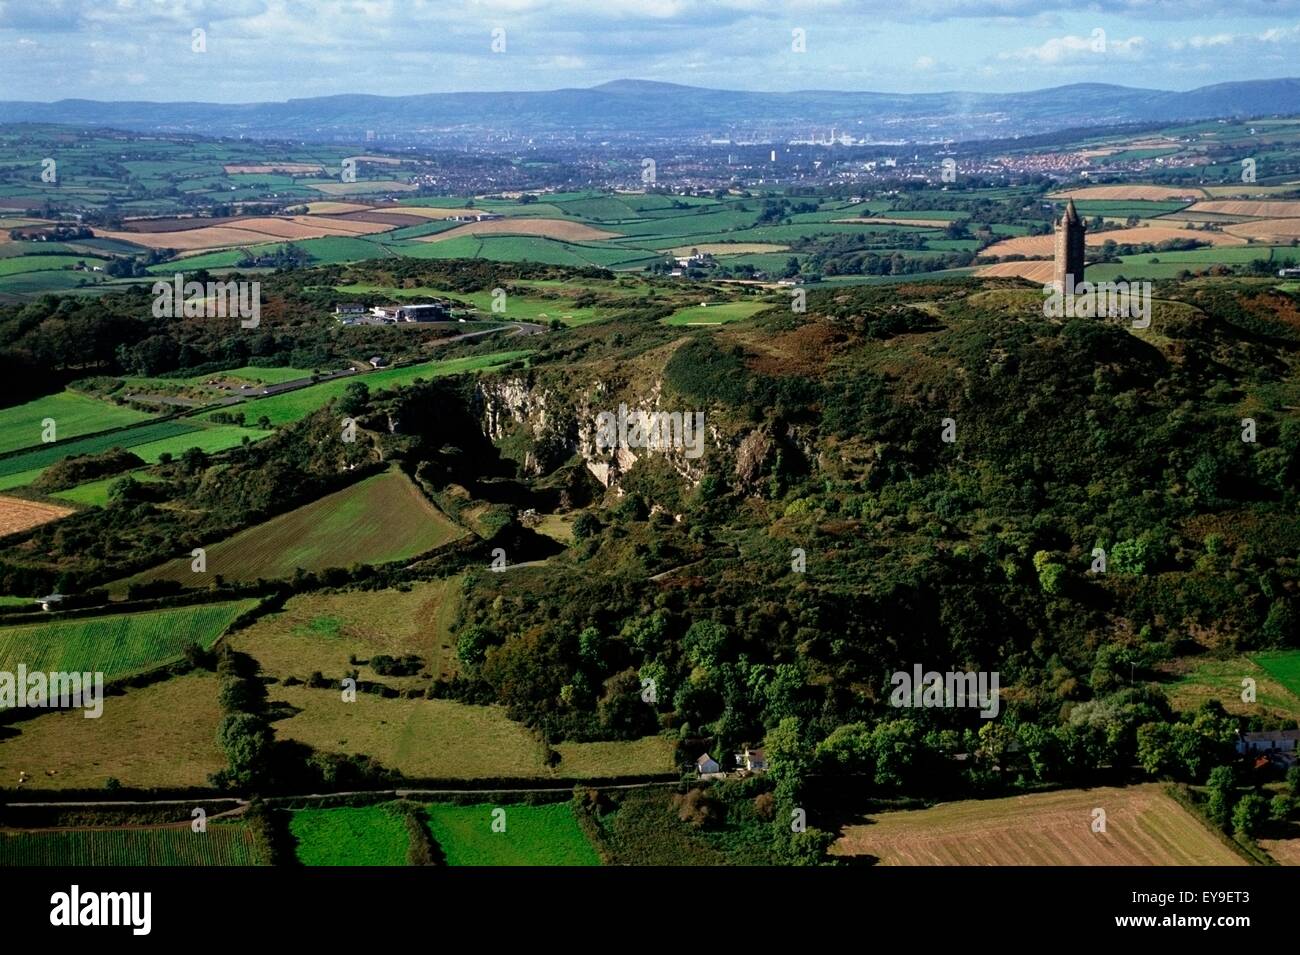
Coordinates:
<point>381,519</point>
<point>128,438</point>
<point>1144,827</point>
<point>225,843</point>
<point>116,644</point>
<point>73,414</point>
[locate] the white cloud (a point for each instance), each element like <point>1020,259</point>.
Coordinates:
<point>1072,48</point>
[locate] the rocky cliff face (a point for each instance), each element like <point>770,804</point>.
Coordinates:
<point>556,422</point>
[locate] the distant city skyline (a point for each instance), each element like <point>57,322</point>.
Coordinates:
<point>264,50</point>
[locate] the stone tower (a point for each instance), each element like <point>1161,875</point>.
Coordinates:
<point>1069,249</point>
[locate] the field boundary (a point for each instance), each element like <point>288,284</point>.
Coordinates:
<point>1180,794</point>
<point>82,798</point>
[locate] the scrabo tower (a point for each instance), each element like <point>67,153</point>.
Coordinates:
<point>1069,248</point>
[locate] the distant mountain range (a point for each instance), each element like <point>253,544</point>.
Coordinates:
<point>629,110</point>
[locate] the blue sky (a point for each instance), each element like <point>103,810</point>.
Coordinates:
<point>280,49</point>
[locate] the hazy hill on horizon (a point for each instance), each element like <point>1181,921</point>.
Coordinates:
<point>629,109</point>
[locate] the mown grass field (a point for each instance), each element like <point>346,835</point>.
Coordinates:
<point>159,736</point>
<point>225,843</point>
<point>367,835</point>
<point>1144,827</point>
<point>295,405</point>
<point>380,519</point>
<point>323,632</point>
<point>116,644</point>
<point>74,414</point>
<point>534,835</point>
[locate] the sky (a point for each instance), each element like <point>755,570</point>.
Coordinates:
<point>259,50</point>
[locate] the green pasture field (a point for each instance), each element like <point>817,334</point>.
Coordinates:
<point>45,263</point>
<point>224,844</point>
<point>546,835</point>
<point>1220,679</point>
<point>381,519</point>
<point>295,405</point>
<point>160,736</point>
<point>212,438</point>
<point>720,313</point>
<point>525,248</point>
<point>116,644</point>
<point>436,739</point>
<point>74,414</point>
<point>1283,666</point>
<point>334,633</point>
<point>41,283</point>
<point>364,835</point>
<point>257,374</point>
<point>95,493</point>
<point>518,307</point>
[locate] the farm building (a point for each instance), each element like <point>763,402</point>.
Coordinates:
<point>752,760</point>
<point>1281,741</point>
<point>707,766</point>
<point>349,309</point>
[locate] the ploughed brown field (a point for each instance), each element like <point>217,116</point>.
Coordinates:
<point>17,514</point>
<point>1144,827</point>
<point>550,228</point>
<point>1269,230</point>
<point>328,207</point>
<point>249,231</point>
<point>1130,192</point>
<point>1261,208</point>
<point>395,218</point>
<point>176,223</point>
<point>1035,270</point>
